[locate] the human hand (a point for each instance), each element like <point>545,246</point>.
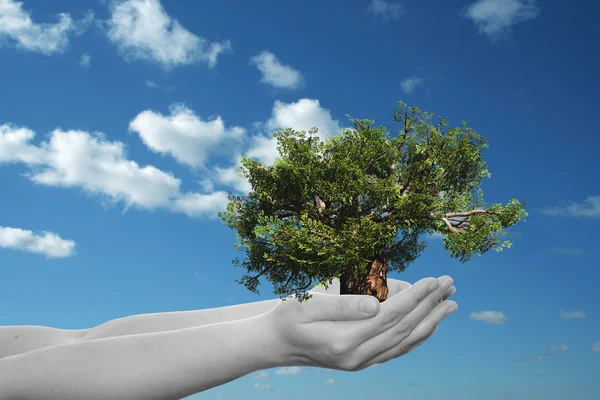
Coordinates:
<point>353,332</point>
<point>395,286</point>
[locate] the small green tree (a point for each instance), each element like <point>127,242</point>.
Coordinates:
<point>354,207</point>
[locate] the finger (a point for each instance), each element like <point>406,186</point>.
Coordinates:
<point>399,328</point>
<point>418,336</point>
<point>350,307</point>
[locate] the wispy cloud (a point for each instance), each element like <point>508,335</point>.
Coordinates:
<point>386,10</point>
<point>275,73</point>
<point>46,243</point>
<point>489,317</point>
<point>596,347</point>
<point>261,375</point>
<point>331,381</point>
<point>85,60</point>
<point>528,358</point>
<point>495,18</point>
<point>572,315</point>
<point>410,84</point>
<point>262,386</point>
<point>566,251</point>
<point>17,27</point>
<point>561,348</point>
<point>289,371</point>
<point>142,30</point>
<point>590,208</point>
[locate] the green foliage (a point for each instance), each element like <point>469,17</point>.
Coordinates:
<point>325,208</point>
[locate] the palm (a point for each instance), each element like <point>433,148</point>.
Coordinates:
<point>395,286</point>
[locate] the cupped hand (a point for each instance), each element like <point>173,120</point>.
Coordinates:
<point>353,332</point>
<point>395,286</point>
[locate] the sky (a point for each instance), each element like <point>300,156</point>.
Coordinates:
<point>121,126</point>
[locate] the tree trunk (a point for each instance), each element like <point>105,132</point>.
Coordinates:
<point>372,283</point>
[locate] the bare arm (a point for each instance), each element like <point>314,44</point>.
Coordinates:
<point>155,366</point>
<point>21,339</point>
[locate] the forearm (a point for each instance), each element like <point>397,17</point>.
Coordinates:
<point>154,366</point>
<point>169,321</point>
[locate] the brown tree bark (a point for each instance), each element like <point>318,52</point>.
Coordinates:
<point>372,283</point>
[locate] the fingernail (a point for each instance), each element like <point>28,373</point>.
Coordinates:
<point>451,309</point>
<point>447,283</point>
<point>368,306</point>
<point>434,286</point>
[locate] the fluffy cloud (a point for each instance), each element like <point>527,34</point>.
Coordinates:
<point>77,159</point>
<point>142,30</point>
<point>489,317</point>
<point>590,208</point>
<point>496,17</point>
<point>47,243</point>
<point>17,27</point>
<point>561,348</point>
<point>274,73</point>
<point>184,135</point>
<point>572,315</point>
<point>386,10</point>
<point>301,115</point>
<point>410,83</point>
<point>288,371</point>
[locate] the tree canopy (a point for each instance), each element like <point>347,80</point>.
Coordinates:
<point>325,207</point>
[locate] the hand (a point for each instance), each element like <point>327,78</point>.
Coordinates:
<point>395,286</point>
<point>353,332</point>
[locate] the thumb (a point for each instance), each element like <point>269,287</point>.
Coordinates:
<point>347,307</point>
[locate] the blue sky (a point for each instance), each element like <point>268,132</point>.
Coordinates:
<point>121,124</point>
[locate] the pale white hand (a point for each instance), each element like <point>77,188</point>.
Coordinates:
<point>339,332</point>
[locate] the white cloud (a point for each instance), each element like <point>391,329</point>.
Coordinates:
<point>261,375</point>
<point>151,84</point>
<point>185,136</point>
<point>288,371</point>
<point>572,315</point>
<point>142,30</point>
<point>496,17</point>
<point>47,243</point>
<point>77,159</point>
<point>386,10</point>
<point>331,381</point>
<point>567,251</point>
<point>274,73</point>
<point>596,347</point>
<point>489,317</point>
<point>590,208</point>
<point>262,386</point>
<point>15,147</point>
<point>17,27</point>
<point>84,60</point>
<point>561,348</point>
<point>410,83</point>
<point>301,115</point>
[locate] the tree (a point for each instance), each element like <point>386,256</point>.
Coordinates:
<point>354,207</point>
